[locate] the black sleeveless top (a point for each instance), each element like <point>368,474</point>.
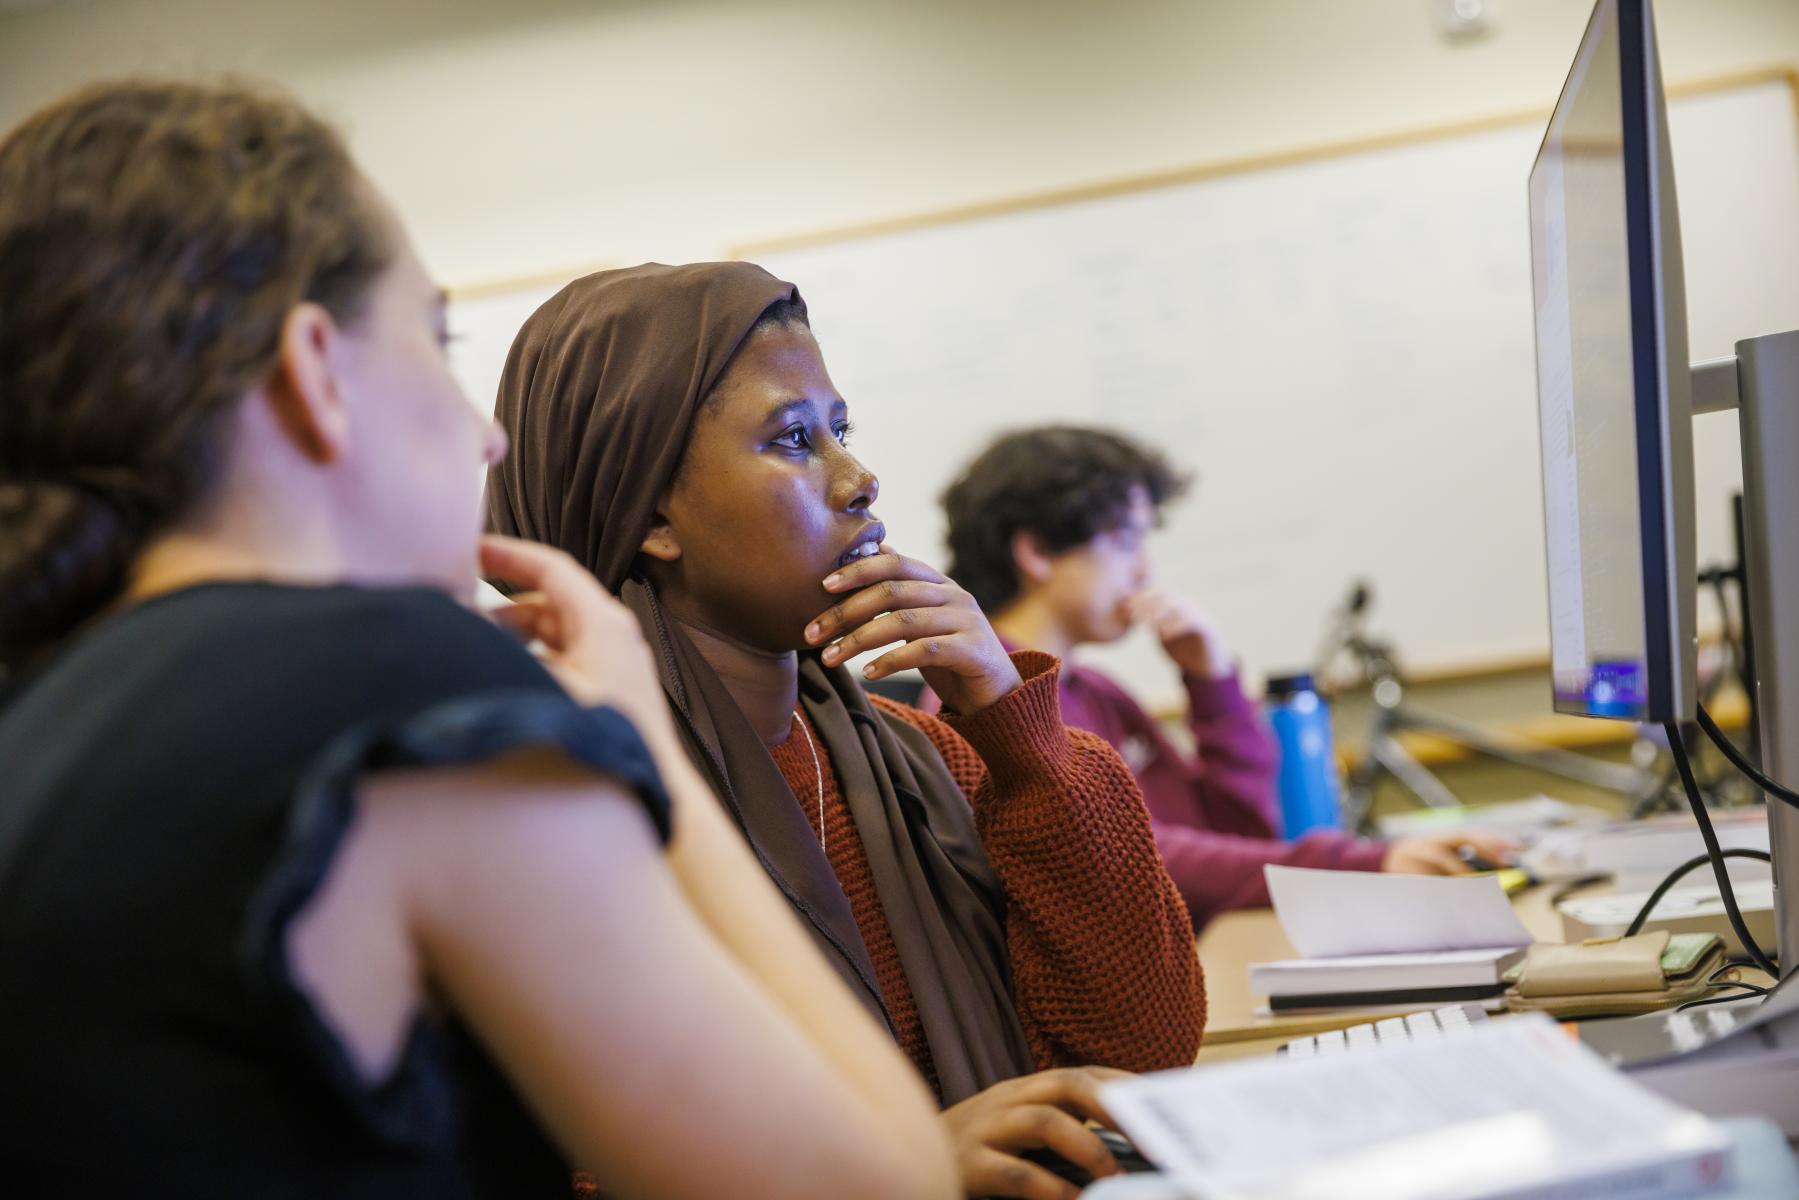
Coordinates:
<point>173,787</point>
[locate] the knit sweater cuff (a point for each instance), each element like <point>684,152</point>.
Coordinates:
<point>1021,735</point>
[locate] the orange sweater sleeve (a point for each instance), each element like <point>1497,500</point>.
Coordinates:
<point>1103,963</point>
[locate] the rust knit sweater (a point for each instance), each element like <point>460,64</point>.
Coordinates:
<point>1103,963</point>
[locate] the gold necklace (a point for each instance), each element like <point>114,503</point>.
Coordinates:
<point>819,770</point>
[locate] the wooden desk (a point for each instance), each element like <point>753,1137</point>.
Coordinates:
<point>1235,940</point>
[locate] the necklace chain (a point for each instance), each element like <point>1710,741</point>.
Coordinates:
<point>819,770</point>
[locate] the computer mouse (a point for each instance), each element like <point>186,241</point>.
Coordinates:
<point>1130,1160</point>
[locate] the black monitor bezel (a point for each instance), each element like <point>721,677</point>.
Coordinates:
<point>1647,353</point>
<point>1652,408</point>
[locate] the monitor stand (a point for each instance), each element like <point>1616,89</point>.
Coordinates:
<point>1761,381</point>
<point>1741,1057</point>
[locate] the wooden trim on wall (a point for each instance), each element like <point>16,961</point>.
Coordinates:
<point>1074,193</point>
<point>518,283</point>
<point>1125,185</point>
<point>1474,669</point>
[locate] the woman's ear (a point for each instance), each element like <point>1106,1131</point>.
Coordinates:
<point>660,542</point>
<point>302,391</point>
<point>1031,560</point>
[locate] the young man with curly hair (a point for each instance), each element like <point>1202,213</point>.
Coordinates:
<point>1048,531</point>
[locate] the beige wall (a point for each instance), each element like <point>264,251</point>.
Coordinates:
<point>525,136</point>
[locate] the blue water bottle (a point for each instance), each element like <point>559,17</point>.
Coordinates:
<point>1308,771</point>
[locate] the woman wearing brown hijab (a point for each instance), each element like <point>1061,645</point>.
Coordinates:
<point>987,883</point>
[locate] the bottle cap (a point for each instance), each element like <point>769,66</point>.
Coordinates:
<point>1282,686</point>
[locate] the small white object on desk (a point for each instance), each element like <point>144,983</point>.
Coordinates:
<point>1638,854</point>
<point>1695,907</point>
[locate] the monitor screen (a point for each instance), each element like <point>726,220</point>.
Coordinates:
<point>1598,204</point>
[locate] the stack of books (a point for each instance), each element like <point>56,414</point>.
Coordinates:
<point>1389,941</point>
<point>1387,981</point>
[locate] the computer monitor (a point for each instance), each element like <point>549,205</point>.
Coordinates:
<point>1617,394</point>
<point>1613,383</point>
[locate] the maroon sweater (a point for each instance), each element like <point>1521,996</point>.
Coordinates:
<point>1103,969</point>
<point>1214,811</point>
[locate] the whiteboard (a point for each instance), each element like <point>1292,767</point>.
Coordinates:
<point>1340,349</point>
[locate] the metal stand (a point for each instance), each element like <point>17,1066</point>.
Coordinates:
<point>1762,381</point>
<point>1386,755</point>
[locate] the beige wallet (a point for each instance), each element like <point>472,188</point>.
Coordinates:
<point>1615,975</point>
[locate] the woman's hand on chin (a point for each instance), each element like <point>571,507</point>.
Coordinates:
<point>589,641</point>
<point>887,598</point>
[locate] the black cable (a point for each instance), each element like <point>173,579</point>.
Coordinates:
<point>1710,837</point>
<point>1738,983</point>
<point>1712,980</point>
<point>1681,872</point>
<point>1728,749</point>
<point>1750,989</point>
<point>1730,963</point>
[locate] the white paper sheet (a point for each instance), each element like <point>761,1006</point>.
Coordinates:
<point>1506,1109</point>
<point>1327,914</point>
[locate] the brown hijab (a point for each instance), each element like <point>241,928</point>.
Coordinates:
<point>599,395</point>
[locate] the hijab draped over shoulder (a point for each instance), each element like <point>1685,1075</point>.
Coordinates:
<point>599,395</point>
